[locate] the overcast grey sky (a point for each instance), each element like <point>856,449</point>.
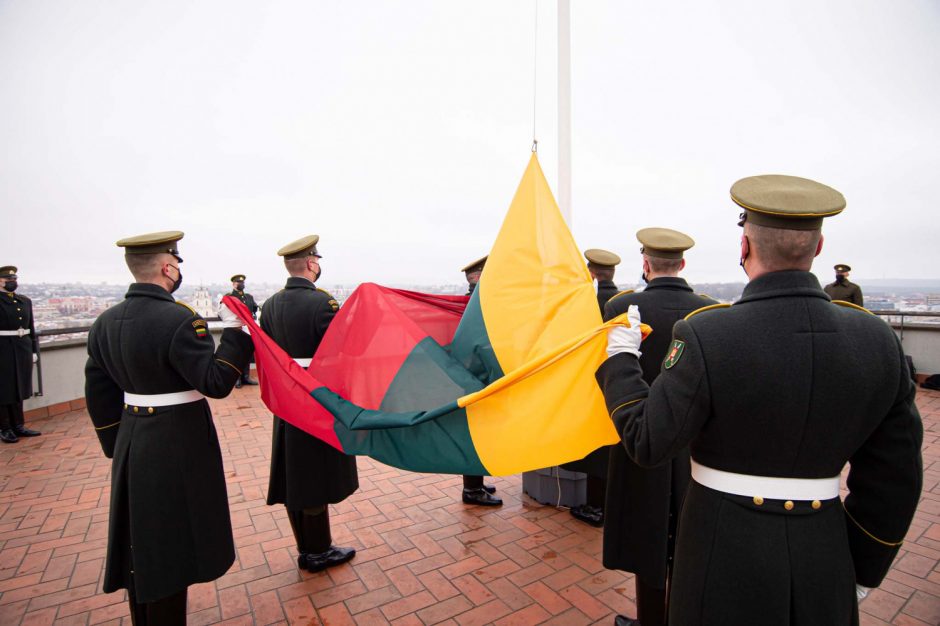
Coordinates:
<point>398,131</point>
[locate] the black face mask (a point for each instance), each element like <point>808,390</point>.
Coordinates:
<point>645,280</point>
<point>10,285</point>
<point>319,272</point>
<point>177,282</point>
<point>744,258</point>
<point>840,278</point>
<point>240,286</point>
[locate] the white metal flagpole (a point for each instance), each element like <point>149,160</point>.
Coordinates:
<point>564,109</point>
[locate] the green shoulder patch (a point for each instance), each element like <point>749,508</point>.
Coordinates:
<point>676,348</point>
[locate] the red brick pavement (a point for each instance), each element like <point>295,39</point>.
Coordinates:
<point>424,558</point>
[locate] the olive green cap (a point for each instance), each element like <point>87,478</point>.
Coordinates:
<point>303,247</point>
<point>8,270</point>
<point>788,202</point>
<point>663,243</point>
<point>153,243</point>
<point>601,258</point>
<point>238,278</point>
<point>842,267</point>
<point>475,266</point>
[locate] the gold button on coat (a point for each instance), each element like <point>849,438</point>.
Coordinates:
<point>150,410</point>
<point>758,500</point>
<point>817,504</point>
<point>788,505</point>
<point>135,409</point>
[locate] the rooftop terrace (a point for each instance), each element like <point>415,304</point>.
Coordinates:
<point>424,557</point>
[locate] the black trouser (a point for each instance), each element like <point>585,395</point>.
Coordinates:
<point>311,528</point>
<point>473,482</point>
<point>650,604</point>
<point>11,415</point>
<point>169,611</point>
<point>596,491</point>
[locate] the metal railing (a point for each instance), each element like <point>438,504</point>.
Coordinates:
<point>900,324</point>
<point>903,314</point>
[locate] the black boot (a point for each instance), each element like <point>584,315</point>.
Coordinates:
<point>8,436</point>
<point>489,488</point>
<point>623,620</point>
<point>22,431</point>
<point>246,379</point>
<point>588,514</point>
<point>314,541</point>
<point>480,496</point>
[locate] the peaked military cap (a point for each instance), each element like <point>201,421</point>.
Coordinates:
<point>663,243</point>
<point>153,243</point>
<point>602,258</point>
<point>475,266</point>
<point>842,267</point>
<point>789,202</point>
<point>8,270</point>
<point>238,278</point>
<point>303,247</point>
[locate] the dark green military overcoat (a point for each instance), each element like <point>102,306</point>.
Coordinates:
<point>169,523</point>
<point>784,383</point>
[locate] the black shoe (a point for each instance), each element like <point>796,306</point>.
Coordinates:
<point>22,431</point>
<point>8,436</point>
<point>589,515</point>
<point>238,383</point>
<point>480,496</point>
<point>623,620</point>
<point>319,562</point>
<point>248,381</point>
<point>489,488</point>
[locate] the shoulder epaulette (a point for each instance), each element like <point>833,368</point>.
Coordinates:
<point>704,295</point>
<point>849,305</point>
<point>620,293</point>
<point>191,309</point>
<point>326,292</point>
<point>710,307</point>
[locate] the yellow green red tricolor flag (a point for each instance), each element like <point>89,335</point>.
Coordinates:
<point>496,383</point>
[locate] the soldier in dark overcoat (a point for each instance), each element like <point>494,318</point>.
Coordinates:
<point>238,291</point>
<point>602,265</point>
<point>757,391</point>
<point>151,363</point>
<point>642,506</point>
<point>19,348</point>
<point>844,289</point>
<point>475,491</point>
<point>307,474</point>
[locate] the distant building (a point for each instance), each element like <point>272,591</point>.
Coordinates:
<point>202,302</point>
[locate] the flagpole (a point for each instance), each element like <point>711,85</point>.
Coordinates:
<point>564,109</point>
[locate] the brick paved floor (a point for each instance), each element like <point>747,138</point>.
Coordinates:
<point>423,558</point>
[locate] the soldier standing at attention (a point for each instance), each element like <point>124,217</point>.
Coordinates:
<point>756,391</point>
<point>843,289</point>
<point>601,265</point>
<point>151,363</point>
<point>19,348</point>
<point>475,491</point>
<point>307,475</point>
<point>238,291</point>
<point>643,505</point>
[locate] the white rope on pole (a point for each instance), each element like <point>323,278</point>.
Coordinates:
<point>564,110</point>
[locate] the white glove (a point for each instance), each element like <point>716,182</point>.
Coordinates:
<point>229,319</point>
<point>861,592</point>
<point>35,358</point>
<point>621,339</point>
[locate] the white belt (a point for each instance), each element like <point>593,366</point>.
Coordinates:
<point>766,486</point>
<point>19,332</point>
<point>303,362</point>
<point>162,399</point>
